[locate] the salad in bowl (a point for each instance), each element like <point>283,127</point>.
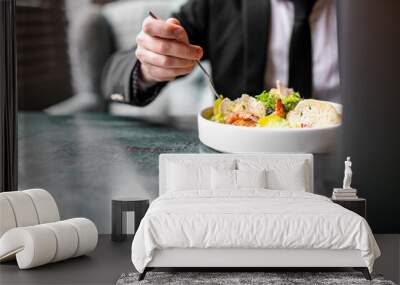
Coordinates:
<point>281,107</point>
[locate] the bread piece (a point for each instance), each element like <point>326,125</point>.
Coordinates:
<point>313,114</point>
<point>244,104</point>
<point>226,107</point>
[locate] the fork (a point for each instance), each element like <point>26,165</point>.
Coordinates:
<point>210,81</point>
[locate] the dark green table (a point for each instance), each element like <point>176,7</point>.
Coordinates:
<point>85,160</point>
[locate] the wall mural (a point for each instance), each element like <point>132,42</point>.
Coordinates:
<point>82,131</point>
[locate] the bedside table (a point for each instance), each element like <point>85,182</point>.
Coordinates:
<point>358,206</point>
<point>126,204</point>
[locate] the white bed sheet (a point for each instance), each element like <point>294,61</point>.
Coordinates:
<point>253,218</point>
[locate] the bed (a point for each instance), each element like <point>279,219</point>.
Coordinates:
<point>247,210</point>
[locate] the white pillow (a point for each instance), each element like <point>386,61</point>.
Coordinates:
<point>291,179</point>
<point>225,179</point>
<point>183,178</point>
<point>185,175</point>
<point>281,174</point>
<point>251,178</point>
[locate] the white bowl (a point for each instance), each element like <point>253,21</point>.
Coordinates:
<point>230,138</point>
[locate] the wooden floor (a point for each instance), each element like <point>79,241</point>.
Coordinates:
<point>103,266</point>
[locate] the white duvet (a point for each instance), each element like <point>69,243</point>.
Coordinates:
<point>250,219</point>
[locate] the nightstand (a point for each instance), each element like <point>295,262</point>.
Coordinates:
<point>358,206</point>
<point>126,204</point>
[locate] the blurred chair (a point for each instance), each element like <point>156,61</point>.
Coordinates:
<point>95,34</point>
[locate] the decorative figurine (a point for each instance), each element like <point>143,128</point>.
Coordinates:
<point>348,173</point>
<point>347,192</point>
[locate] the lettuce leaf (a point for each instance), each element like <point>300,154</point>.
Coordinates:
<point>217,115</point>
<point>219,118</point>
<point>269,100</point>
<point>290,102</point>
<point>217,104</point>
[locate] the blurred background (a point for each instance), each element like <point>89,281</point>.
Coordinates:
<point>63,46</point>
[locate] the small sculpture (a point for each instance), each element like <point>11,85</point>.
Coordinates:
<point>348,173</point>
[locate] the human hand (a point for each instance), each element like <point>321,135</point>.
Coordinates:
<point>164,51</point>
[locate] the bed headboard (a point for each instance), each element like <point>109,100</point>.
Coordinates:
<point>204,158</point>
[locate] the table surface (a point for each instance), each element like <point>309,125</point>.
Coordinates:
<point>87,159</point>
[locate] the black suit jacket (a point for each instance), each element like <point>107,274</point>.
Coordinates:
<point>233,34</point>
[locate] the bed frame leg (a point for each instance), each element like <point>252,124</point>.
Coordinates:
<point>364,271</point>
<point>143,274</point>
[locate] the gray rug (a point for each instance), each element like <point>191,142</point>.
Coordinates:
<point>244,278</point>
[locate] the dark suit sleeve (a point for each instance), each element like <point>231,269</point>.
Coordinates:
<point>120,81</point>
